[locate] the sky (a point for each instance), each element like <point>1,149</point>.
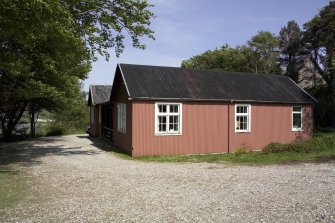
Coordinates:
<point>185,28</point>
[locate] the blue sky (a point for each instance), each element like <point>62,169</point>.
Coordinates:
<point>184,28</point>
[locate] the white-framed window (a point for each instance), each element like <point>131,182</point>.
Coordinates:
<point>297,118</point>
<point>121,117</point>
<point>168,118</point>
<point>92,114</point>
<point>242,118</point>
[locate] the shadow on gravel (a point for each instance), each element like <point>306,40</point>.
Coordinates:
<point>27,153</point>
<point>104,144</point>
<point>322,159</point>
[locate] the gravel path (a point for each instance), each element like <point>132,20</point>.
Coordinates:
<point>76,182</point>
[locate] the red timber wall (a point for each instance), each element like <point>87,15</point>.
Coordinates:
<point>205,128</point>
<point>270,123</point>
<point>95,125</point>
<point>123,140</point>
<point>119,95</point>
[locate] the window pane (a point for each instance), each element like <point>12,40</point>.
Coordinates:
<point>297,109</point>
<point>173,123</point>
<point>237,123</point>
<point>162,123</point>
<point>162,108</point>
<point>162,119</point>
<point>122,117</point>
<point>173,119</point>
<point>241,109</point>
<point>238,109</point>
<point>242,122</point>
<point>242,126</point>
<point>176,119</point>
<point>170,127</point>
<point>175,126</point>
<point>297,120</point>
<point>162,128</point>
<point>174,108</point>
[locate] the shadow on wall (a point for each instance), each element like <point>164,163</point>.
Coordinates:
<point>28,153</point>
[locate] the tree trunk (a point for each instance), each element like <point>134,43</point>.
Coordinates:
<point>7,134</point>
<point>3,128</point>
<point>13,120</point>
<point>32,120</point>
<point>333,94</point>
<point>332,84</point>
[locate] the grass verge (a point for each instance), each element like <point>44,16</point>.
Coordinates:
<point>319,149</point>
<point>13,187</point>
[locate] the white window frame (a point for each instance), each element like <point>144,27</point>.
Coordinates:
<point>121,117</point>
<point>168,114</point>
<point>243,114</point>
<point>301,112</point>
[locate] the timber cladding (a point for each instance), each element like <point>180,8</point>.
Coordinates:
<point>205,129</point>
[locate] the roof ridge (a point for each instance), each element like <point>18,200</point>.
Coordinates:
<point>203,70</point>
<point>105,85</point>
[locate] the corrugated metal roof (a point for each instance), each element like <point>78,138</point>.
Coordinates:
<point>155,82</point>
<point>100,93</point>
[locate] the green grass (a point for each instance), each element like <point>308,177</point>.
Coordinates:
<point>319,149</point>
<point>57,130</point>
<point>13,187</point>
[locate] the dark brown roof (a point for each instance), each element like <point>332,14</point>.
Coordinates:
<point>155,82</point>
<point>99,94</point>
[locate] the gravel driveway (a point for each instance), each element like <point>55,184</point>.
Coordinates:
<point>74,181</point>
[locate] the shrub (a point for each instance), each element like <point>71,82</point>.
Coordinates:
<point>240,151</point>
<point>55,130</point>
<point>275,148</point>
<point>300,146</point>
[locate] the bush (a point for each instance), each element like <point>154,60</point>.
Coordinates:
<point>240,151</point>
<point>55,131</point>
<point>275,148</point>
<point>302,146</point>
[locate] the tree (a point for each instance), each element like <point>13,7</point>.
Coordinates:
<point>104,24</point>
<point>42,62</point>
<point>265,44</point>
<point>46,48</point>
<point>74,116</point>
<point>260,55</point>
<point>226,58</point>
<point>12,106</point>
<point>253,60</point>
<point>290,44</point>
<point>319,38</point>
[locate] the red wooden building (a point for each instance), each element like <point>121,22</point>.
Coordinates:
<point>164,110</point>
